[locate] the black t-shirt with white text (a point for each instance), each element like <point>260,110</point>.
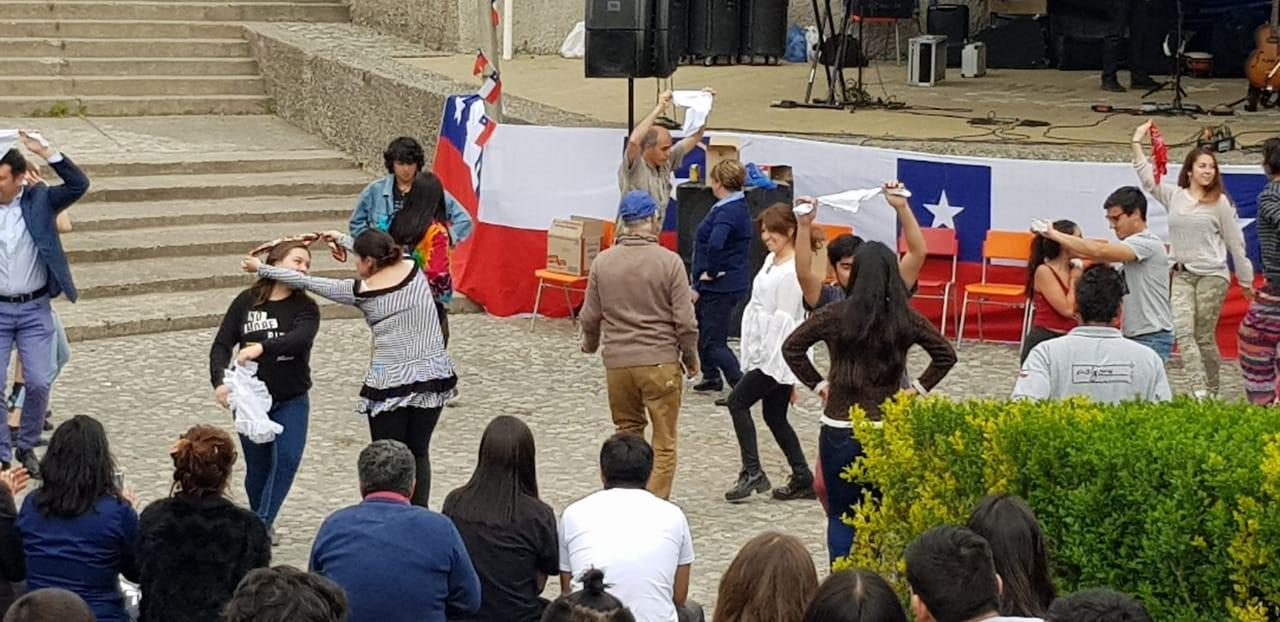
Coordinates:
<point>285,328</point>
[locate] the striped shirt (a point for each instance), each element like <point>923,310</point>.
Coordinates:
<point>1269,234</point>
<point>409,366</point>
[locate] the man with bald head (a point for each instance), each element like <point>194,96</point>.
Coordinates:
<point>651,157</point>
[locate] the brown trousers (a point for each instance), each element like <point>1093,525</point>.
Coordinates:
<point>657,389</point>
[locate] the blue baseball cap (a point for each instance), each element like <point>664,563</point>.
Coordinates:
<point>637,205</point>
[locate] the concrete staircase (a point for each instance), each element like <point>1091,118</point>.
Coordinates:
<point>158,240</point>
<point>139,57</point>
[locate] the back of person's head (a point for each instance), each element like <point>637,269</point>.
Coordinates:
<point>286,594</point>
<point>1098,605</point>
<point>590,604</point>
<point>423,205</point>
<point>77,469</point>
<point>626,460</point>
<point>877,318</point>
<point>1099,294</point>
<point>1129,199</point>
<point>404,150</point>
<point>1271,156</point>
<point>842,247</point>
<point>855,596</point>
<point>1043,249</point>
<point>378,246</point>
<point>771,578</point>
<point>505,472</point>
<point>1018,548</point>
<point>952,575</point>
<point>386,466</point>
<point>730,174</point>
<point>49,604</point>
<point>202,461</point>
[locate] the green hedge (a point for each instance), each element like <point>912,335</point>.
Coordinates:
<point>1176,503</point>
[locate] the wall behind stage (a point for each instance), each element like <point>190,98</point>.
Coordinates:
<point>534,174</point>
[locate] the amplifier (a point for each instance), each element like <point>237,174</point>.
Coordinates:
<point>973,60</point>
<point>927,61</point>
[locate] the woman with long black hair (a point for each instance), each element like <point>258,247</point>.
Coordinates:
<point>1051,286</point>
<point>410,374</point>
<point>1020,554</point>
<point>421,228</point>
<point>275,326</point>
<point>509,532</point>
<point>868,336</point>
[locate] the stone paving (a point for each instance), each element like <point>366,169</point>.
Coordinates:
<point>148,389</point>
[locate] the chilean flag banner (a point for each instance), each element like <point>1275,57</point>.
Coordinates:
<point>464,129</point>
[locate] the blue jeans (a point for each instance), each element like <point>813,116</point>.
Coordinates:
<point>61,354</point>
<point>1161,342</point>
<point>29,326</point>
<point>270,467</point>
<point>837,449</point>
<point>713,311</point>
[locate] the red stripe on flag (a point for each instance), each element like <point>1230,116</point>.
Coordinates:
<point>489,126</point>
<point>482,63</point>
<point>493,12</point>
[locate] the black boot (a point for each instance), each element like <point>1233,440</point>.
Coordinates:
<point>422,475</point>
<point>799,486</point>
<point>748,484</point>
<point>709,386</point>
<point>27,458</point>
<point>1111,84</point>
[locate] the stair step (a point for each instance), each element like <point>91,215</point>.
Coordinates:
<point>135,106</point>
<point>211,186</point>
<point>151,276</point>
<point>133,86</point>
<point>27,47</point>
<point>119,29</point>
<point>91,67</point>
<point>98,165</point>
<point>184,242</point>
<point>130,216</point>
<point>212,11</point>
<point>160,313</point>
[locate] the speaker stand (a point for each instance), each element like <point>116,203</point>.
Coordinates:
<point>631,104</point>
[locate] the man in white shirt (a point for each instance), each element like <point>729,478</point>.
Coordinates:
<point>953,578</point>
<point>1094,359</point>
<point>640,541</point>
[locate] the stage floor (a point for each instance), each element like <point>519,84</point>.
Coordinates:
<point>937,119</point>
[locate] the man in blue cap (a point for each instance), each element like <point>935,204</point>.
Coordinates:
<point>638,296</point>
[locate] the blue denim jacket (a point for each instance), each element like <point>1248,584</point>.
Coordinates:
<point>376,207</point>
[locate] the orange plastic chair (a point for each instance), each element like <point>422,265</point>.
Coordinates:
<point>606,240</point>
<point>1007,246</point>
<point>832,232</point>
<point>567,283</point>
<point>938,242</point>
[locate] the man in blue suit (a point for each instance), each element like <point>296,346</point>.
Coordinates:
<point>33,270</point>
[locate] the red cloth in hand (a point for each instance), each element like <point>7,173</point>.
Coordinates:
<point>1159,153</point>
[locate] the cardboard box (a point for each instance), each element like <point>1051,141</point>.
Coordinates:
<point>721,148</point>
<point>1019,7</point>
<point>573,244</point>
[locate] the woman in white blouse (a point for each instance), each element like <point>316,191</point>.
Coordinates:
<point>775,309</point>
<point>1202,229</point>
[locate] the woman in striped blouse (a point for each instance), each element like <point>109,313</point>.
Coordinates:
<point>410,375</point>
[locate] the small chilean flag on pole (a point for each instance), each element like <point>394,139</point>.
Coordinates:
<point>491,90</point>
<point>493,12</point>
<point>489,126</point>
<point>482,63</point>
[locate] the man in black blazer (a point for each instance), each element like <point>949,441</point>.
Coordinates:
<point>33,271</point>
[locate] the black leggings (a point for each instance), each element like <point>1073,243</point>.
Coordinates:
<point>413,427</point>
<point>756,386</point>
<point>1035,337</point>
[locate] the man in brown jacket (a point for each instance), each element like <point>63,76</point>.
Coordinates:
<point>638,293</point>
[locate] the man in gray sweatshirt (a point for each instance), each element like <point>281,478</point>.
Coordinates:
<point>638,297</point>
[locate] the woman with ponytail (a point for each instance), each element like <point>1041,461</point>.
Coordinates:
<point>410,375</point>
<point>276,327</point>
<point>590,604</point>
<point>421,227</point>
<point>195,546</point>
<point>868,335</point>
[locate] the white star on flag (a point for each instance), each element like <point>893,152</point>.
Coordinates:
<point>944,214</point>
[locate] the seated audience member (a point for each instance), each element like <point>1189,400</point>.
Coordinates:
<point>772,578</point>
<point>79,531</point>
<point>49,604</point>
<point>286,594</point>
<point>396,561</point>
<point>1009,526</point>
<point>641,541</point>
<point>509,533</point>
<point>1097,606</point>
<point>590,604</point>
<point>196,546</point>
<point>13,565</point>
<point>855,596</point>
<point>953,578</point>
<point>1094,359</point>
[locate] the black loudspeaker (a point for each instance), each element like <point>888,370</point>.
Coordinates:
<point>634,38</point>
<point>693,201</point>
<point>951,20</point>
<point>715,28</point>
<point>764,28</point>
<point>901,9</point>
<point>830,51</point>
<point>1015,43</point>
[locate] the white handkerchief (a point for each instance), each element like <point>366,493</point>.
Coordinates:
<point>849,200</point>
<point>8,139</point>
<point>699,108</point>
